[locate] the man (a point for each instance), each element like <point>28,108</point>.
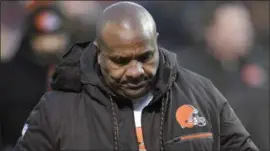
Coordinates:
<point>123,92</point>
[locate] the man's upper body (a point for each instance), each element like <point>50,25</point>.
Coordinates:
<point>123,92</point>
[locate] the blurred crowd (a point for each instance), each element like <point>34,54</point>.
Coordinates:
<point>225,41</point>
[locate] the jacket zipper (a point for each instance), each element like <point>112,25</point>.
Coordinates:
<point>143,131</point>
<point>181,139</point>
<point>134,129</point>
<point>156,96</point>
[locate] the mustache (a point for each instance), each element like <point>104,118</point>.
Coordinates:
<point>135,81</point>
<point>126,82</point>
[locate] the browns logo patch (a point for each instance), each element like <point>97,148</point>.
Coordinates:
<point>187,116</point>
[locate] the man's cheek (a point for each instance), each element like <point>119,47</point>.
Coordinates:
<point>151,68</point>
<point>116,74</point>
<point>150,71</point>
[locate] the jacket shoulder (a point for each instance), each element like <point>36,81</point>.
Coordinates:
<point>46,120</point>
<point>191,79</point>
<point>60,99</point>
<point>58,103</point>
<point>199,89</point>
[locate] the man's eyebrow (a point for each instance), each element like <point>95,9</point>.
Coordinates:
<point>119,55</point>
<point>127,56</point>
<point>146,52</point>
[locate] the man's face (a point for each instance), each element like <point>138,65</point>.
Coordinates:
<point>129,61</point>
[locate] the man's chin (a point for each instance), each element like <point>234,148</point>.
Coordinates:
<point>135,94</point>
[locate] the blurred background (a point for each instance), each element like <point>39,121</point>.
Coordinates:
<point>225,41</point>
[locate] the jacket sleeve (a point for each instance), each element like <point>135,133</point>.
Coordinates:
<point>37,133</point>
<point>233,135</point>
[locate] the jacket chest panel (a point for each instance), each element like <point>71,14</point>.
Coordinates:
<point>127,133</point>
<point>91,129</point>
<point>188,127</point>
<point>150,129</point>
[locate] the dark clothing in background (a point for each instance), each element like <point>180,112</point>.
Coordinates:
<point>82,114</point>
<point>12,121</point>
<point>22,84</point>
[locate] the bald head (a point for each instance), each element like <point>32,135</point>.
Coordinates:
<point>128,52</point>
<point>125,19</point>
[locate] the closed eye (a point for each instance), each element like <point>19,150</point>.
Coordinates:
<point>121,60</point>
<point>125,60</point>
<point>146,56</point>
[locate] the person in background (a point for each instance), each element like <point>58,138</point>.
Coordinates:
<point>228,41</point>
<point>24,78</point>
<point>82,16</point>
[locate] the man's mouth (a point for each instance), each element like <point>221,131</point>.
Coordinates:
<point>134,86</point>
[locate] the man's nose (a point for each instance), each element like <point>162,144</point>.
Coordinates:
<point>135,70</point>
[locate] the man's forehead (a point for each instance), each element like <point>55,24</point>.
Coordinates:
<point>122,34</point>
<point>129,50</point>
<point>130,44</point>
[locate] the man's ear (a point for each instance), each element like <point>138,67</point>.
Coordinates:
<point>99,58</point>
<point>157,34</point>
<point>98,51</point>
<point>95,43</point>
